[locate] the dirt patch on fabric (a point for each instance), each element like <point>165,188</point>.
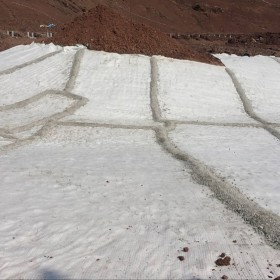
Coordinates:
<point>223,261</point>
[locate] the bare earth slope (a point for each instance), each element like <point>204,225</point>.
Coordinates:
<point>105,30</point>
<point>198,16</point>
<point>238,16</point>
<point>150,17</point>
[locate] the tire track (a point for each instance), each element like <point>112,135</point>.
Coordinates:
<point>79,102</point>
<point>25,102</point>
<point>52,120</point>
<point>108,125</point>
<point>37,60</point>
<point>249,108</point>
<point>75,70</point>
<point>263,221</point>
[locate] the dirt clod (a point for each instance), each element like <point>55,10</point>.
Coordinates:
<point>181,258</point>
<point>223,261</point>
<point>222,255</point>
<point>277,278</point>
<point>224,277</point>
<point>185,249</point>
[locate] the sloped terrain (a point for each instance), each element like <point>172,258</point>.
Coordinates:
<point>106,175</point>
<point>173,17</point>
<point>104,30</point>
<point>198,16</point>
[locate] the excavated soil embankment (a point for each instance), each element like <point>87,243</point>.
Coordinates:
<point>103,29</point>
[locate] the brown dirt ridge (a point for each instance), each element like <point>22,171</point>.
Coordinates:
<point>103,29</point>
<point>144,27</point>
<point>184,16</point>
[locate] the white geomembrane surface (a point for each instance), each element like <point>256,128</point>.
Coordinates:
<point>24,53</point>
<point>193,91</point>
<point>93,185</point>
<point>117,86</point>
<point>259,76</point>
<point>247,157</point>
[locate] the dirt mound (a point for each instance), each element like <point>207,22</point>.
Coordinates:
<point>103,29</point>
<point>183,16</point>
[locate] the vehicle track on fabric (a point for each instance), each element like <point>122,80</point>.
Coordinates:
<point>249,108</point>
<point>18,67</point>
<point>263,221</point>
<point>48,121</point>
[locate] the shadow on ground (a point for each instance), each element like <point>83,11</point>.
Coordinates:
<point>52,275</point>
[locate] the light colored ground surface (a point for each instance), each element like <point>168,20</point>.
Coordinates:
<point>215,101</point>
<point>4,141</point>
<point>28,132</point>
<point>22,54</point>
<point>114,195</point>
<point>47,106</point>
<point>117,86</point>
<point>259,77</point>
<point>245,157</point>
<point>50,74</point>
<point>111,185</point>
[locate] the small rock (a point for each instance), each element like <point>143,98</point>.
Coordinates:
<point>224,277</point>
<point>185,249</point>
<point>181,258</point>
<point>234,241</point>
<point>97,260</point>
<point>222,255</point>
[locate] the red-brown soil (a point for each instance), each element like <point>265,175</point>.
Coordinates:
<point>7,42</point>
<point>250,44</point>
<point>103,29</point>
<point>245,17</point>
<point>227,16</point>
<point>223,261</point>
